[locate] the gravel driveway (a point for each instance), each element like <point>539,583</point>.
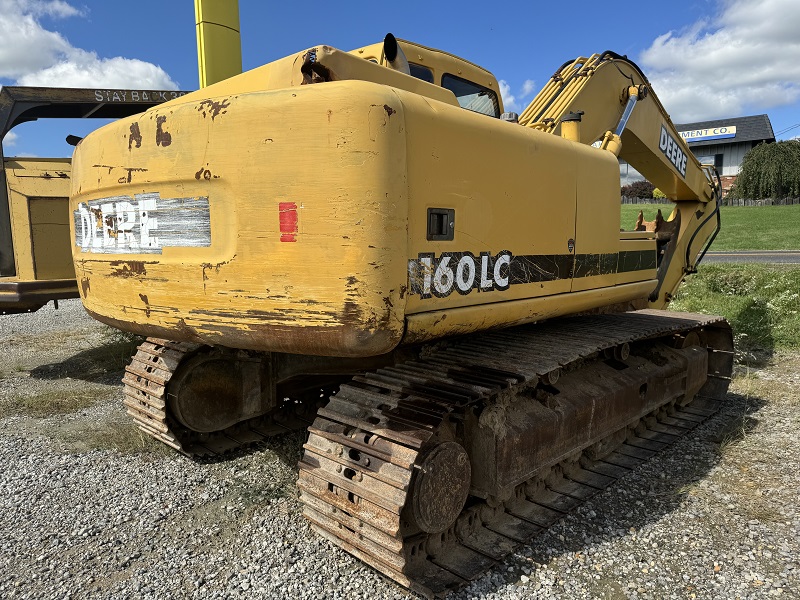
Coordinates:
<point>88,508</point>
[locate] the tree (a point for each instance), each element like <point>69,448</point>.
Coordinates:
<point>638,189</point>
<point>769,171</point>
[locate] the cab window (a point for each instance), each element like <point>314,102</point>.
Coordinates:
<point>421,72</point>
<point>472,96</point>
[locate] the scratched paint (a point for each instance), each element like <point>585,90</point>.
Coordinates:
<point>213,108</point>
<point>130,268</point>
<point>163,137</point>
<point>464,272</point>
<point>203,173</point>
<point>274,295</point>
<point>135,137</point>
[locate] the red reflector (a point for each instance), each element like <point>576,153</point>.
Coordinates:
<point>287,214</point>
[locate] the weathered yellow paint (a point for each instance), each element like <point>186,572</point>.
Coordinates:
<point>600,87</point>
<point>38,191</point>
<point>342,167</point>
<point>315,174</point>
<point>38,196</point>
<point>285,73</point>
<point>425,327</point>
<point>475,169</point>
<point>50,237</point>
<point>697,226</point>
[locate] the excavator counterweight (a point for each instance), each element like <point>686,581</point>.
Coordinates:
<point>35,259</point>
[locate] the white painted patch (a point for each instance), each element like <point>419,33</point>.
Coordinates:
<point>142,224</point>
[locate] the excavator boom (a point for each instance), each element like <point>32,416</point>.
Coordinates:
<point>619,111</point>
<point>600,86</point>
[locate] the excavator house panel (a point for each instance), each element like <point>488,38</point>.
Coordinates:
<point>512,196</point>
<point>35,260</point>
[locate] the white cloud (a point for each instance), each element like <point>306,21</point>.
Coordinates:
<point>25,46</point>
<point>85,69</point>
<point>528,88</point>
<point>34,55</point>
<point>746,59</point>
<point>10,139</point>
<point>38,8</point>
<point>509,101</point>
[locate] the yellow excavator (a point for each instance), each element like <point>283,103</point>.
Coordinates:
<point>363,243</point>
<point>35,258</point>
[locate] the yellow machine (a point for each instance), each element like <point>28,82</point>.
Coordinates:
<point>35,260</point>
<point>364,226</point>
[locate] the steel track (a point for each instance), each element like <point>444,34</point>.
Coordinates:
<point>145,388</point>
<point>366,444</point>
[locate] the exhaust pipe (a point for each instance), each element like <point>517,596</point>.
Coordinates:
<point>395,57</point>
<point>219,47</point>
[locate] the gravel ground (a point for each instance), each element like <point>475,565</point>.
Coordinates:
<point>88,508</point>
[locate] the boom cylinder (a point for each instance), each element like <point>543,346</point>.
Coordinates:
<point>635,93</point>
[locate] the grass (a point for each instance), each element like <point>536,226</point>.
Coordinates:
<point>759,228</point>
<point>629,212</point>
<point>51,403</point>
<point>761,302</point>
<point>96,362</point>
<point>124,437</point>
<point>772,383</point>
<point>119,346</point>
<point>743,227</point>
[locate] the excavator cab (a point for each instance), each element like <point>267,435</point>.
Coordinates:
<point>35,259</point>
<point>474,87</point>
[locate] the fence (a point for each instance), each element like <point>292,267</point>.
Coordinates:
<point>629,200</point>
<point>725,201</point>
<point>765,202</point>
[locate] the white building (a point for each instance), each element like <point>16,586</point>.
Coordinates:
<point>722,143</point>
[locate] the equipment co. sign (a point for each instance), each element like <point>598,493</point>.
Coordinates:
<point>713,133</point>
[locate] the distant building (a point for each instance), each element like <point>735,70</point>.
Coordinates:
<point>722,143</point>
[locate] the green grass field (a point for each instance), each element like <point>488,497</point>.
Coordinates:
<point>760,301</point>
<point>743,227</point>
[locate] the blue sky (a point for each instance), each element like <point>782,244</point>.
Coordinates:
<point>707,59</point>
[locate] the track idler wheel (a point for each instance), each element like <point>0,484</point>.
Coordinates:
<point>214,390</point>
<point>440,487</point>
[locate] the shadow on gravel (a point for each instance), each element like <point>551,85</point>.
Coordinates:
<point>101,364</point>
<point>287,447</point>
<point>650,492</point>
